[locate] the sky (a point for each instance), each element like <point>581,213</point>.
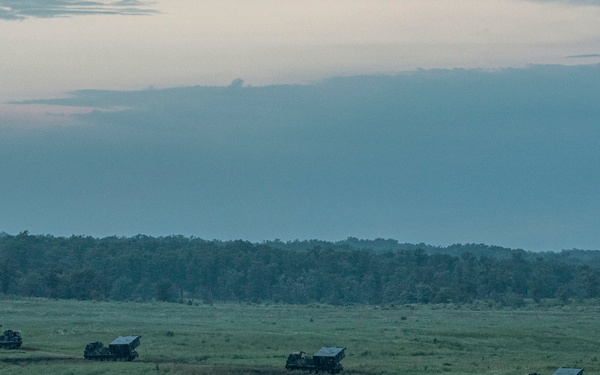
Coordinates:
<point>434,121</point>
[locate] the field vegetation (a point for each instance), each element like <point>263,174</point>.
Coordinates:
<point>246,338</point>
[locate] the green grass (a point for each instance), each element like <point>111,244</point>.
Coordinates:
<point>255,339</point>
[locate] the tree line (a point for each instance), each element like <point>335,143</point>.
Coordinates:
<point>178,268</point>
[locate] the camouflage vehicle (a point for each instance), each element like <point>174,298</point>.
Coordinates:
<point>326,360</point>
<point>10,339</point>
<point>121,349</point>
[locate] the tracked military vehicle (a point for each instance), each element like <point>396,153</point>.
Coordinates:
<point>121,349</point>
<point>326,360</point>
<point>10,339</point>
<point>563,371</point>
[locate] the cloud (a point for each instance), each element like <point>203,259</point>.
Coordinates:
<point>505,157</point>
<point>591,55</point>
<point>428,103</point>
<point>20,10</point>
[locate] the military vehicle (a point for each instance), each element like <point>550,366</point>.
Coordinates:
<point>10,339</point>
<point>564,371</point>
<point>568,371</point>
<point>121,349</point>
<point>326,360</point>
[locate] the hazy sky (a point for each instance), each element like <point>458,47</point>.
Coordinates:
<point>450,121</point>
<point>47,51</point>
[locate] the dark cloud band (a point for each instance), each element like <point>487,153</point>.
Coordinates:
<point>508,156</point>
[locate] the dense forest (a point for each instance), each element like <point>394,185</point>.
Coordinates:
<point>353,271</point>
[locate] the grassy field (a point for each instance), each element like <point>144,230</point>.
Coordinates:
<point>255,339</point>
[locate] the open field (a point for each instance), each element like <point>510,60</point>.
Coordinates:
<point>255,339</point>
